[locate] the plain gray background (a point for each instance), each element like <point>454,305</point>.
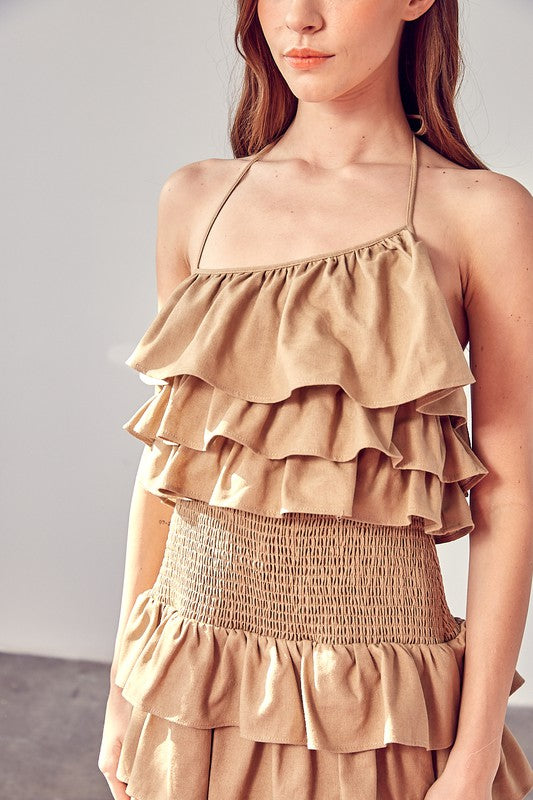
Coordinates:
<point>100,103</point>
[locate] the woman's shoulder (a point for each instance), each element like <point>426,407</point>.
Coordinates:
<point>201,177</point>
<point>460,178</point>
<point>495,220</point>
<point>495,233</point>
<point>190,190</point>
<point>480,208</point>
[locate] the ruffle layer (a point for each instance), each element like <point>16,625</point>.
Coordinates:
<point>290,390</point>
<point>368,489</point>
<point>394,463</point>
<point>337,698</point>
<point>162,760</point>
<point>373,322</point>
<point>412,435</point>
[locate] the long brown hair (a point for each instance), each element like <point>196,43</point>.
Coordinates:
<point>430,71</point>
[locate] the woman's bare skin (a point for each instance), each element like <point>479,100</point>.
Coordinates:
<point>332,210</point>
<point>338,178</point>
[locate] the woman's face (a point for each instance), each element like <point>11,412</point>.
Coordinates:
<point>360,36</point>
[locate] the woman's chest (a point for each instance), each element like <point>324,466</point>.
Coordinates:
<point>264,235</point>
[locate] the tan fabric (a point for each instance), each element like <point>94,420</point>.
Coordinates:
<point>308,427</point>
<point>182,763</point>
<point>333,385</point>
<point>305,632</point>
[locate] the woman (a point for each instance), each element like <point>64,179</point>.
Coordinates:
<point>284,629</point>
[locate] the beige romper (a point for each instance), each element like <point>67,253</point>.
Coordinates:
<point>309,428</point>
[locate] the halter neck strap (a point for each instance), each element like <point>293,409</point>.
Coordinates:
<point>410,194</point>
<point>235,183</point>
<point>412,187</point>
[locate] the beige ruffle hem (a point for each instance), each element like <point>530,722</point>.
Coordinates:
<point>315,450</point>
<point>290,389</point>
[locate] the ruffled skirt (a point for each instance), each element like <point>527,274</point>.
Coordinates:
<point>304,656</point>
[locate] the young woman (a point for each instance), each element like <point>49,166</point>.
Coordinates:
<point>284,630</point>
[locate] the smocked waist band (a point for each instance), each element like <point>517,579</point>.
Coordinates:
<point>304,576</point>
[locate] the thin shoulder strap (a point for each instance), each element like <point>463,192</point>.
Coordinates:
<point>235,183</point>
<point>412,188</point>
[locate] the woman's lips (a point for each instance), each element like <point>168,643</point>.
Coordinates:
<point>306,58</point>
<point>305,52</point>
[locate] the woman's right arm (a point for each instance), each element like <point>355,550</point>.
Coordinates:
<point>149,519</point>
<point>149,516</point>
<point>148,525</point>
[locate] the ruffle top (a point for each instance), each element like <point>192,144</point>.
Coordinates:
<point>333,384</point>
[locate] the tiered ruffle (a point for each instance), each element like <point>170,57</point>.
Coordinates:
<point>333,386</point>
<point>341,698</point>
<point>193,684</point>
<point>218,764</point>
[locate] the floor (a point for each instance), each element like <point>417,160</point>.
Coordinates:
<point>51,717</point>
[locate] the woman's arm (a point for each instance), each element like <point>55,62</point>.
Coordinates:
<point>149,516</point>
<point>149,519</point>
<point>498,298</point>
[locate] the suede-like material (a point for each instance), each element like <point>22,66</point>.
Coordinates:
<point>309,428</point>
<point>296,650</point>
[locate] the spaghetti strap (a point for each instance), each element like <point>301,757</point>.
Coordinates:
<point>235,183</point>
<point>410,197</point>
<point>412,188</point>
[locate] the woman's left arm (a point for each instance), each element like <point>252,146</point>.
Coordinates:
<point>498,298</point>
